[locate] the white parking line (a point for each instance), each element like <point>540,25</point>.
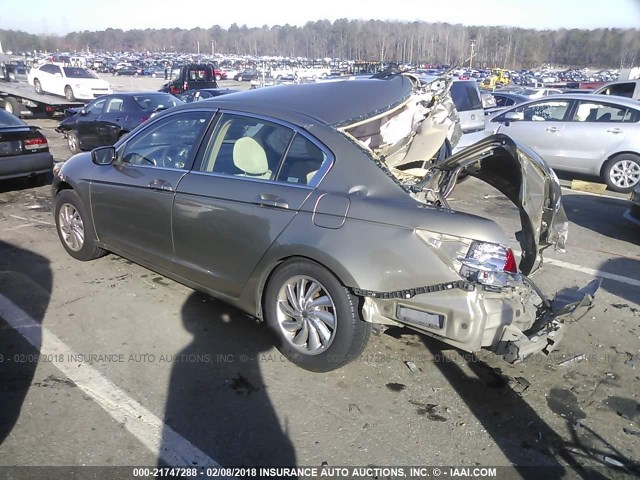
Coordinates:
<point>170,447</point>
<point>593,272</point>
<point>32,220</point>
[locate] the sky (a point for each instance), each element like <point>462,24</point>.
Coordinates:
<point>55,17</point>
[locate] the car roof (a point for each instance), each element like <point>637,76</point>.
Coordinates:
<point>623,101</point>
<point>334,103</point>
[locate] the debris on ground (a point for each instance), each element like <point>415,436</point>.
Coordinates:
<point>628,431</point>
<point>573,360</point>
<point>411,366</point>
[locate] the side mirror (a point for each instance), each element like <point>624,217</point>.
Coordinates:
<point>103,155</point>
<point>83,112</point>
<point>511,117</point>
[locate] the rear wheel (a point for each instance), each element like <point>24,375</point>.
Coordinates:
<point>74,228</point>
<point>12,106</point>
<point>38,87</point>
<point>68,94</point>
<point>73,142</point>
<point>622,172</point>
<point>315,318</point>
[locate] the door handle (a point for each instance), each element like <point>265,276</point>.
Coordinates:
<point>614,130</point>
<point>269,200</point>
<point>161,185</point>
<point>552,129</point>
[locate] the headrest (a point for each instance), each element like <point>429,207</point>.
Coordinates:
<point>250,157</point>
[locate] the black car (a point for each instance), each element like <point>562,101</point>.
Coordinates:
<point>205,93</point>
<point>129,71</point>
<point>246,75</point>
<point>24,150</point>
<point>106,119</point>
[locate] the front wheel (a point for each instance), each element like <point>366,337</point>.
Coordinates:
<point>38,87</point>
<point>315,318</point>
<point>73,142</point>
<point>68,94</point>
<point>622,172</point>
<point>74,228</point>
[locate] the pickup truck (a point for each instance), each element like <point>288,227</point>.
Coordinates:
<point>621,88</point>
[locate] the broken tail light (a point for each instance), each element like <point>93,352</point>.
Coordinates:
<point>489,264</point>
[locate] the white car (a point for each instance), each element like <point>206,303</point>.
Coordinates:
<point>75,83</point>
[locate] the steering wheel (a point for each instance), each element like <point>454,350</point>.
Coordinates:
<point>176,156</point>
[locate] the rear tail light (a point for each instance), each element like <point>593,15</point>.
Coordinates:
<point>36,143</point>
<point>489,264</point>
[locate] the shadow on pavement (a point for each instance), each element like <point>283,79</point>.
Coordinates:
<point>217,399</point>
<point>602,215</point>
<point>25,282</point>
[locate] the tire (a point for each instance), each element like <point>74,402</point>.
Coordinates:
<point>74,227</point>
<point>68,94</point>
<point>218,78</point>
<point>73,142</point>
<point>303,336</point>
<point>240,78</point>
<point>622,172</point>
<point>38,87</point>
<point>12,106</point>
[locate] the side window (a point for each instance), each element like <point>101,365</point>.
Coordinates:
<point>602,112</point>
<point>115,105</point>
<point>465,96</point>
<point>168,143</point>
<point>96,107</point>
<point>549,111</point>
<point>302,163</point>
<point>246,146</point>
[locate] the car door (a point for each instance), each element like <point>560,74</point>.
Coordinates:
<point>87,124</point>
<point>46,77</point>
<point>111,120</point>
<point>539,125</point>
<point>132,198</point>
<point>595,130</point>
<point>239,197</point>
<point>56,80</point>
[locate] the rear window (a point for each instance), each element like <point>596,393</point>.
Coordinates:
<point>8,120</point>
<point>465,96</point>
<point>151,103</point>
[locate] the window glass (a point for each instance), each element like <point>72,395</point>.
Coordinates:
<point>465,96</point>
<point>621,89</point>
<point>549,111</point>
<point>246,146</point>
<point>602,112</point>
<point>115,105</point>
<point>170,143</point>
<point>302,163</point>
<point>96,107</point>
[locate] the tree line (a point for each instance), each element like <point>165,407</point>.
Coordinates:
<point>394,41</point>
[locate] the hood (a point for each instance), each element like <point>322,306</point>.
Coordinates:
<point>522,176</point>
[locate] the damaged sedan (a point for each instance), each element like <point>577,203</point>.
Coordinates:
<point>321,209</point>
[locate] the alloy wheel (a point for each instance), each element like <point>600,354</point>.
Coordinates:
<point>71,227</point>
<point>625,173</point>
<point>306,315</point>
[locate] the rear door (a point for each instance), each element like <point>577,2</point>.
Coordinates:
<point>595,129</point>
<point>540,126</point>
<point>243,191</point>
<point>110,121</point>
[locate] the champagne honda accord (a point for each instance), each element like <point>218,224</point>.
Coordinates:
<point>321,210</point>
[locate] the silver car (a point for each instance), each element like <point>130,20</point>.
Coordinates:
<point>318,208</point>
<point>581,133</point>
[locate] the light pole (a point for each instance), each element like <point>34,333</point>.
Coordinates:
<point>473,44</point>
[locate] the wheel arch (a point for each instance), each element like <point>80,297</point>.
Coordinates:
<point>615,154</point>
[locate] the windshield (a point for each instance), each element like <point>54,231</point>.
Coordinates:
<point>465,96</point>
<point>76,72</point>
<point>153,102</point>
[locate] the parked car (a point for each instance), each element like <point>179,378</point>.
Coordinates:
<point>503,100</point>
<point>129,71</point>
<point>75,83</point>
<point>303,207</point>
<point>24,150</point>
<point>633,214</point>
<point>246,75</point>
<point>582,133</point>
<point>468,101</point>
<point>192,76</point>
<point>220,74</point>
<point>108,118</point>
<point>205,93</point>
